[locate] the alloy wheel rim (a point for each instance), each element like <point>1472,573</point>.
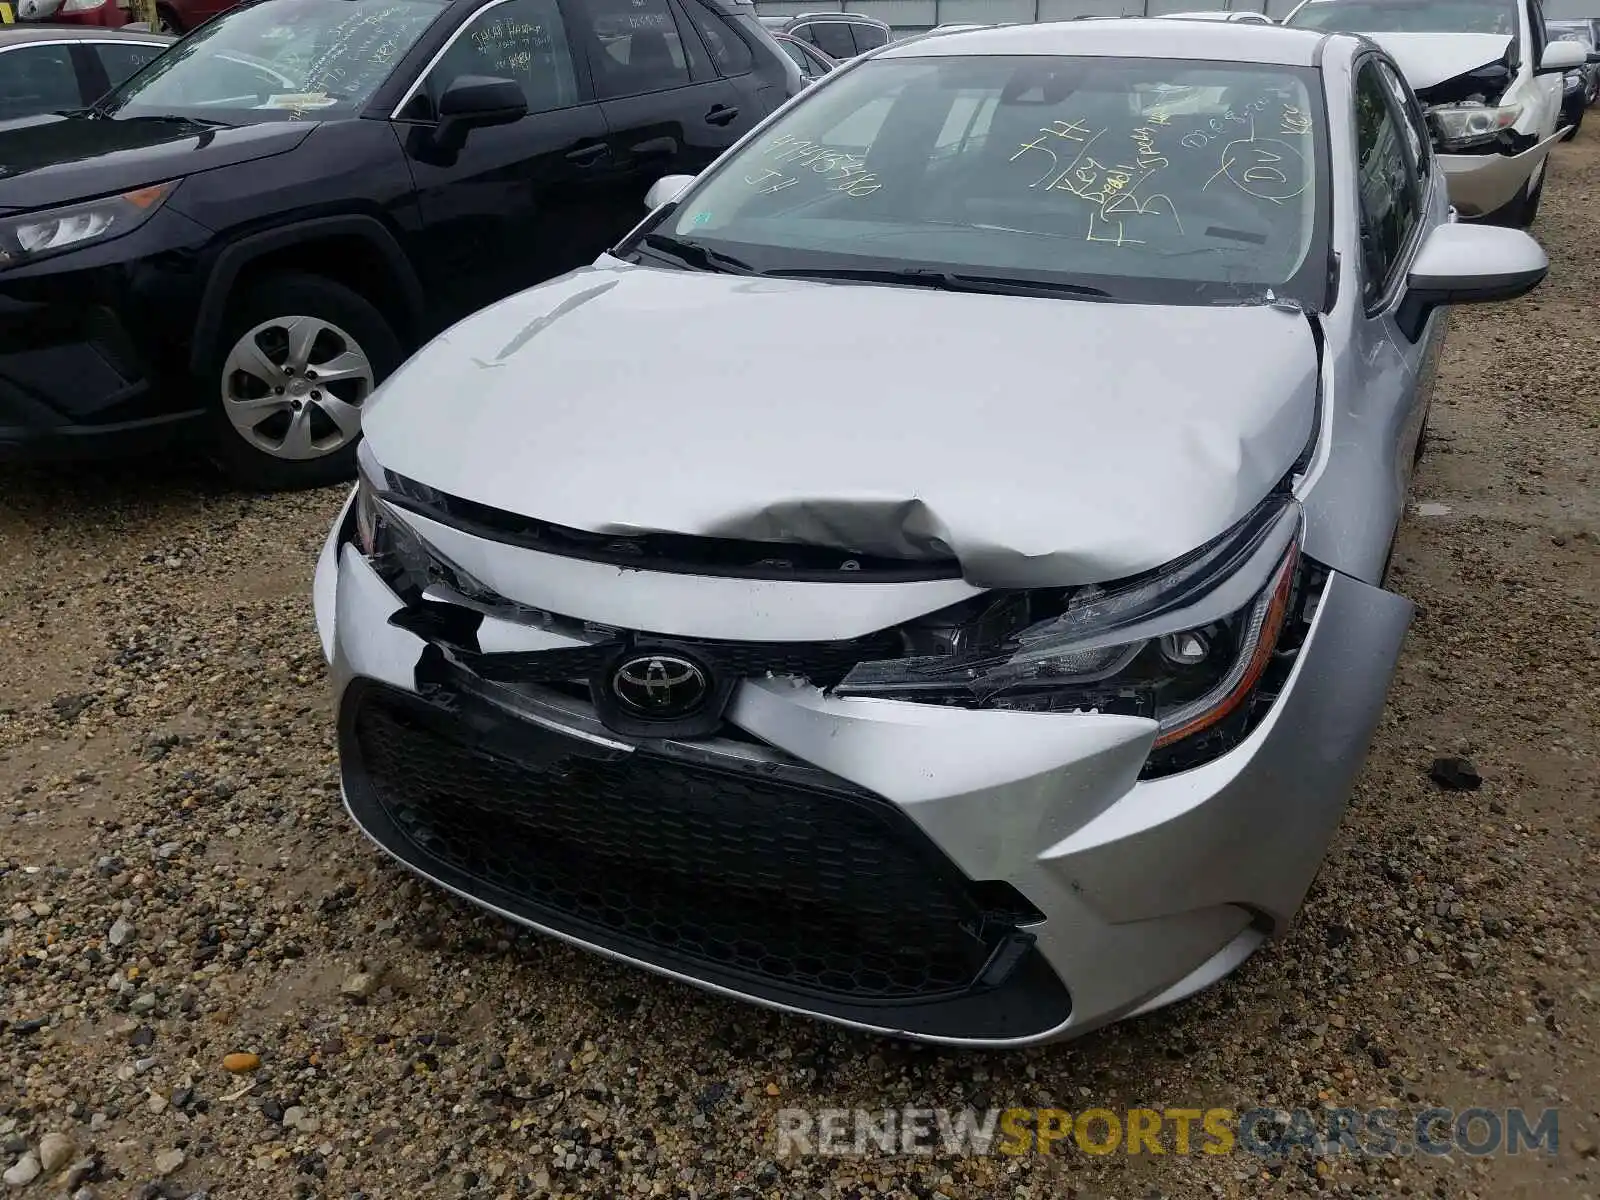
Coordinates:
<point>293,387</point>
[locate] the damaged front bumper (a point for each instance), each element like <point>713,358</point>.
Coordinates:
<point>976,877</point>
<point>1484,183</point>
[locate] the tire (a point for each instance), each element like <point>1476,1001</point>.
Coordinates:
<point>1577,124</point>
<point>271,426</point>
<point>1520,213</point>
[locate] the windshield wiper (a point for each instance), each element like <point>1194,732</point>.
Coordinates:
<point>947,281</point>
<point>695,255</point>
<point>201,122</point>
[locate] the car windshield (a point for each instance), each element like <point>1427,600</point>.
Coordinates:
<point>279,60</point>
<point>1148,180</point>
<point>1407,16</point>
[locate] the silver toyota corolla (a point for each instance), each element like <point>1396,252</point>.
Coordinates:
<point>930,575</point>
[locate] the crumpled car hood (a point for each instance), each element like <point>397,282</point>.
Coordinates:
<point>1038,441</point>
<point>1426,59</point>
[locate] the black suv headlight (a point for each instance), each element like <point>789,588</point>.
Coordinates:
<point>1185,645</point>
<point>30,236</point>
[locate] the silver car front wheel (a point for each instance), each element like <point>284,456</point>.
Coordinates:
<point>293,387</point>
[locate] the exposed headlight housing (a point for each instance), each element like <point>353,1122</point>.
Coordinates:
<point>1459,126</point>
<point>1185,645</point>
<point>402,560</point>
<point>35,235</point>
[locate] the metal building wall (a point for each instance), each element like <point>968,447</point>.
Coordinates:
<point>916,15</point>
<point>909,15</point>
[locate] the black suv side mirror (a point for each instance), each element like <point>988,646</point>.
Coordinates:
<point>476,102</point>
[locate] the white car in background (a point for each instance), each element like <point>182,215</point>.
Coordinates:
<point>1490,80</point>
<point>1236,18</point>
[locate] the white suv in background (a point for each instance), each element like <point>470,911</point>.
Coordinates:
<point>839,35</point>
<point>1490,80</point>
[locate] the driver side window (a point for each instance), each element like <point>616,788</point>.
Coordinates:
<point>523,40</point>
<point>1390,197</point>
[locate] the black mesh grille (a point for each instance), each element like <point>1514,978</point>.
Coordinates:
<point>822,891</point>
<point>101,327</point>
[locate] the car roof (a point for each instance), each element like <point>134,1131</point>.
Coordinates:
<point>1131,37</point>
<point>853,18</point>
<point>11,35</point>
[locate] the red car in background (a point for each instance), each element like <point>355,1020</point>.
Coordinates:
<point>171,16</point>
<point>105,13</point>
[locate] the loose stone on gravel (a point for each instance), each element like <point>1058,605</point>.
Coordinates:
<point>1455,774</point>
<point>55,1151</point>
<point>24,1171</point>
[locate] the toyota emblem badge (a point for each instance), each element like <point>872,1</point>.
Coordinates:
<point>660,685</point>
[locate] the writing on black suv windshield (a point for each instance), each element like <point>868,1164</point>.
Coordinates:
<point>288,60</point>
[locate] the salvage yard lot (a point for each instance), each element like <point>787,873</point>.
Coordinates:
<point>166,762</point>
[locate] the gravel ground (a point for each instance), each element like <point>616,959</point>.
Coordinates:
<point>178,883</point>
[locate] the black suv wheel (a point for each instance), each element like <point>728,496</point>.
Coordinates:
<point>297,359</point>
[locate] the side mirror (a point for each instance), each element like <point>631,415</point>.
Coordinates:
<point>1562,56</point>
<point>666,190</point>
<point>1469,264</point>
<point>476,102</point>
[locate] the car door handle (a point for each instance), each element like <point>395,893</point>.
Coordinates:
<point>584,155</point>
<point>721,114</point>
<point>653,146</point>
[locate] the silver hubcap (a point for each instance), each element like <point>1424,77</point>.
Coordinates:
<point>293,387</point>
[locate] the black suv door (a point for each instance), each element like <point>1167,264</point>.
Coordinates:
<point>668,110</point>
<point>517,203</point>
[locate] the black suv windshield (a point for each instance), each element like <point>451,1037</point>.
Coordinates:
<point>1407,16</point>
<point>1163,181</point>
<point>279,60</point>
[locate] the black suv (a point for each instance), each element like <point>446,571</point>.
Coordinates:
<point>244,238</point>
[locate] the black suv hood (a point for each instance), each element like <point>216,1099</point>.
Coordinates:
<point>56,160</point>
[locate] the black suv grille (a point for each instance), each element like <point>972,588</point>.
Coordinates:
<point>812,890</point>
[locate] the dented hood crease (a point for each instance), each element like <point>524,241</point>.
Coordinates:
<point>1039,442</point>
<point>1429,59</point>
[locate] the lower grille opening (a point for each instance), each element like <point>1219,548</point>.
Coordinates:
<point>821,898</point>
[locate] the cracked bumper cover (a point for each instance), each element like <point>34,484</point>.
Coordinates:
<point>1150,890</point>
<point>1484,183</point>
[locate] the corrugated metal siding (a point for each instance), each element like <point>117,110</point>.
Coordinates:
<point>910,15</point>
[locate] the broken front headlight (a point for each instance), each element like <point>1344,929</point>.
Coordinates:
<point>1184,645</point>
<point>397,553</point>
<point>1458,126</point>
